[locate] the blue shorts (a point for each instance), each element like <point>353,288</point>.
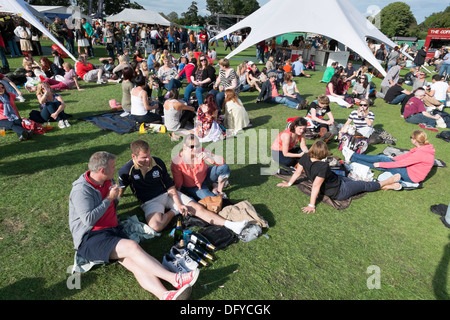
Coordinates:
<point>98,245</point>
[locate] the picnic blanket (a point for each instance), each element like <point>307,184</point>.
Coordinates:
<point>305,186</point>
<point>113,122</point>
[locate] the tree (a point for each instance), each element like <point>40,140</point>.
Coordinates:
<point>397,20</point>
<point>235,7</point>
<point>109,6</point>
<point>173,16</point>
<point>191,17</point>
<point>65,3</point>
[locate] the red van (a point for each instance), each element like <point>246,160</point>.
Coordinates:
<point>436,38</point>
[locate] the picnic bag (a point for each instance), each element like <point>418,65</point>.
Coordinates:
<point>213,204</point>
<point>219,236</point>
<point>356,143</point>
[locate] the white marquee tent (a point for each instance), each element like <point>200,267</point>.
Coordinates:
<point>20,8</point>
<point>139,16</point>
<point>336,19</point>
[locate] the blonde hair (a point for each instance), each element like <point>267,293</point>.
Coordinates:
<point>68,65</point>
<point>420,136</point>
<point>323,99</point>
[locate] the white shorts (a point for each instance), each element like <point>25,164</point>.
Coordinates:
<point>163,203</point>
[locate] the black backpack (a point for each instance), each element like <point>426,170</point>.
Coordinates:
<point>444,135</point>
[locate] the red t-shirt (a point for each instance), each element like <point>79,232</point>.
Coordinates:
<point>109,218</point>
<point>83,69</point>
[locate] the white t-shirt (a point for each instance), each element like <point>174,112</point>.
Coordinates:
<point>440,90</point>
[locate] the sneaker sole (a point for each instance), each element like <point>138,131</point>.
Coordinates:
<point>184,293</point>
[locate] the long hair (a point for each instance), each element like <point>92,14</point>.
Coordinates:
<point>211,103</point>
<point>230,95</point>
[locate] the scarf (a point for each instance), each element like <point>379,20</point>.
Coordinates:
<point>8,110</point>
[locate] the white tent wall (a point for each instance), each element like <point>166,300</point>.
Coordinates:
<point>19,7</point>
<point>139,16</point>
<point>336,19</point>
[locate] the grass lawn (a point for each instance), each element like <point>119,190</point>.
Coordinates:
<point>327,255</point>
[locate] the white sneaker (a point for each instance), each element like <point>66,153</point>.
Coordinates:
<point>61,124</point>
<point>66,123</point>
<point>347,153</point>
<point>99,82</point>
<point>21,98</point>
<point>182,258</point>
<point>441,107</point>
<point>124,114</point>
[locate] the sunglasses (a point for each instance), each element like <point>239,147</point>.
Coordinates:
<point>363,105</point>
<point>193,146</point>
<point>202,60</point>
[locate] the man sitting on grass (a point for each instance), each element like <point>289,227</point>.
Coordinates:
<point>97,236</point>
<point>269,93</point>
<point>86,71</point>
<point>152,185</point>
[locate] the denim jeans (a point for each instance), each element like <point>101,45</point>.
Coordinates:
<point>198,92</point>
<point>213,175</point>
<point>173,83</point>
<point>15,125</point>
<point>420,118</point>
<point>13,48</point>
<point>3,58</point>
<point>351,187</point>
<point>51,107</point>
<point>286,161</point>
<point>444,68</point>
<point>285,101</point>
<point>369,160</point>
<point>298,98</point>
<point>220,98</point>
<point>398,99</point>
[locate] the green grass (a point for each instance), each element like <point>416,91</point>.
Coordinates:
<point>317,256</point>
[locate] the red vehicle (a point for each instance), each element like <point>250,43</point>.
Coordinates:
<point>436,38</point>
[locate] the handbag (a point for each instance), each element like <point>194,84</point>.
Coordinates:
<point>213,204</point>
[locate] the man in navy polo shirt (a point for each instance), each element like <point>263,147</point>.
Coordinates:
<point>152,185</point>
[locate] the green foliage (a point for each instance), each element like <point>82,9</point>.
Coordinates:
<point>435,20</point>
<point>397,20</point>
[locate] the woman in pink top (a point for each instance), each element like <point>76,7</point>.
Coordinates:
<point>284,149</point>
<point>193,176</point>
<point>413,166</point>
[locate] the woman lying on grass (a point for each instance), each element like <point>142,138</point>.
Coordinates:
<point>330,184</point>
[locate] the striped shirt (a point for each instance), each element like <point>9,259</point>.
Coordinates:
<point>360,122</point>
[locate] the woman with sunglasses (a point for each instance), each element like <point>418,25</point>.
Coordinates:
<point>202,79</point>
<point>193,176</point>
<point>361,88</point>
<point>362,119</point>
<point>9,115</point>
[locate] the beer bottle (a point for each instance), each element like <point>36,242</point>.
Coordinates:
<point>200,251</point>
<point>178,234</point>
<point>197,238</point>
<point>196,258</point>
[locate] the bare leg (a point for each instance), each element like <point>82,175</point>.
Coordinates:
<point>388,183</point>
<point>158,221</point>
<point>146,269</point>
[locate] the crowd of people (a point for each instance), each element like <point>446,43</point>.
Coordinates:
<point>209,110</point>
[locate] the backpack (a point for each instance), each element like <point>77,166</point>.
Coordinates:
<point>356,143</point>
<point>444,135</point>
<point>219,236</point>
<point>36,127</point>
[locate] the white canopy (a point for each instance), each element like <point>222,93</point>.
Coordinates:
<point>139,16</point>
<point>336,19</point>
<point>21,8</point>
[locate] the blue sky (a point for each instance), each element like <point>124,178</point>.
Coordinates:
<point>420,8</point>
